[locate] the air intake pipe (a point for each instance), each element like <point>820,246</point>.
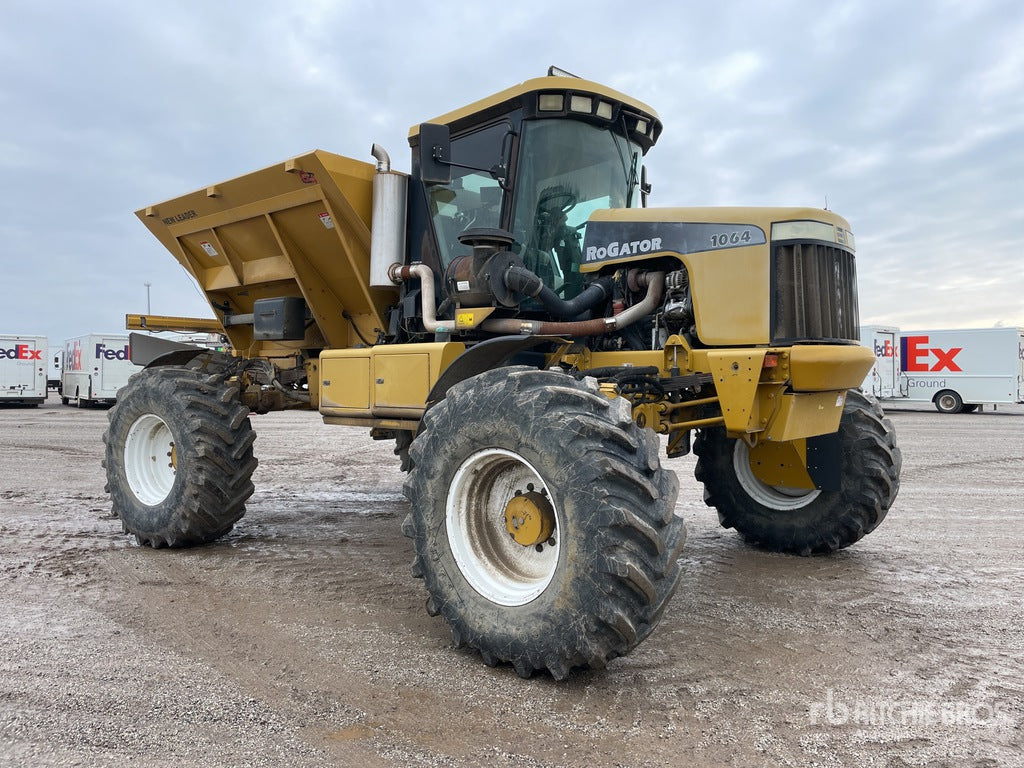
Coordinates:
<point>398,273</point>
<point>653,281</point>
<point>521,280</point>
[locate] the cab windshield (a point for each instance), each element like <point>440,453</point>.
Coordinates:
<point>566,171</point>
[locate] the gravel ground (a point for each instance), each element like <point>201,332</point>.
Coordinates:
<point>301,639</point>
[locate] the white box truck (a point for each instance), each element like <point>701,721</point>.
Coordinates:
<point>96,366</point>
<point>957,370</point>
<point>56,370</point>
<point>23,361</point>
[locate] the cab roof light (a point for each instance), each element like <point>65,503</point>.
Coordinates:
<point>579,103</point>
<point>554,71</point>
<point>604,109</point>
<point>551,102</point>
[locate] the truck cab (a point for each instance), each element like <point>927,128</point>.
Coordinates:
<point>535,160</point>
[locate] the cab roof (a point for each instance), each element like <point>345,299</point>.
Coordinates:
<point>555,96</point>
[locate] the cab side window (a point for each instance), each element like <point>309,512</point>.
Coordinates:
<point>474,198</point>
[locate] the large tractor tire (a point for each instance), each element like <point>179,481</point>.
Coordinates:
<point>179,456</point>
<point>800,521</point>
<point>543,522</point>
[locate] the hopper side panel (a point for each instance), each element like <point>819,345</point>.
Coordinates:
<point>296,228</point>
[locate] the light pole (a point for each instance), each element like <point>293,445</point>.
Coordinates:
<point>148,310</point>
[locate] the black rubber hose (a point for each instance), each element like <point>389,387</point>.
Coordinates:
<point>524,281</point>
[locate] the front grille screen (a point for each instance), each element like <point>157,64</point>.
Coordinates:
<point>814,294</point>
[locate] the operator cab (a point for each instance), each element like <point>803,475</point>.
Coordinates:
<point>532,162</point>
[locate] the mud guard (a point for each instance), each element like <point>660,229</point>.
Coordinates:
<point>152,352</point>
<point>492,353</point>
<point>824,461</point>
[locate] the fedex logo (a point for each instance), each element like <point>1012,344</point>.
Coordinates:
<point>916,354</point>
<point>885,350</point>
<point>73,357</point>
<point>21,352</point>
<point>111,354</point>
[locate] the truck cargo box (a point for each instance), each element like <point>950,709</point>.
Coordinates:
<point>956,369</point>
<point>96,366</point>
<point>23,361</point>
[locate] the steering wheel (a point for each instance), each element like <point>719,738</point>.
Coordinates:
<point>556,199</point>
<point>465,220</point>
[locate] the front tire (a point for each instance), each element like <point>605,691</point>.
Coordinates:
<point>800,521</point>
<point>517,447</point>
<point>179,456</point>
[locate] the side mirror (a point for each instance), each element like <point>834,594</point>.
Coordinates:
<point>435,154</point>
<point>645,186</point>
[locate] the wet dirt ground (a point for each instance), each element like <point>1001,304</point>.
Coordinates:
<point>301,638</point>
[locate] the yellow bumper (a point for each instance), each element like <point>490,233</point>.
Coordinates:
<point>821,368</point>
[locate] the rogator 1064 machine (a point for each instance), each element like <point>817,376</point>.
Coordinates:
<point>531,336</point>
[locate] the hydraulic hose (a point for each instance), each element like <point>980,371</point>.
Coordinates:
<point>270,373</point>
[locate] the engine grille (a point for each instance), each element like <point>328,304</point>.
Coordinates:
<point>814,294</point>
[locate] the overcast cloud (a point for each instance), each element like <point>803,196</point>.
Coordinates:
<point>906,117</point>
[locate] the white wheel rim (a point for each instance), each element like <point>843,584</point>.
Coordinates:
<point>149,459</point>
<point>494,564</point>
<point>772,496</point>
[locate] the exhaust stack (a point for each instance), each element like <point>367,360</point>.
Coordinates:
<point>387,236</point>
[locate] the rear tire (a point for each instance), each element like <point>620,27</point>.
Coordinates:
<point>179,456</point>
<point>948,401</point>
<point>800,521</point>
<point>599,584</point>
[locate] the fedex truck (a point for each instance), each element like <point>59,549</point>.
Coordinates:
<point>23,361</point>
<point>957,370</point>
<point>56,369</point>
<point>96,366</point>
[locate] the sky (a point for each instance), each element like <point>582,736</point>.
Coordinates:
<point>906,118</point>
